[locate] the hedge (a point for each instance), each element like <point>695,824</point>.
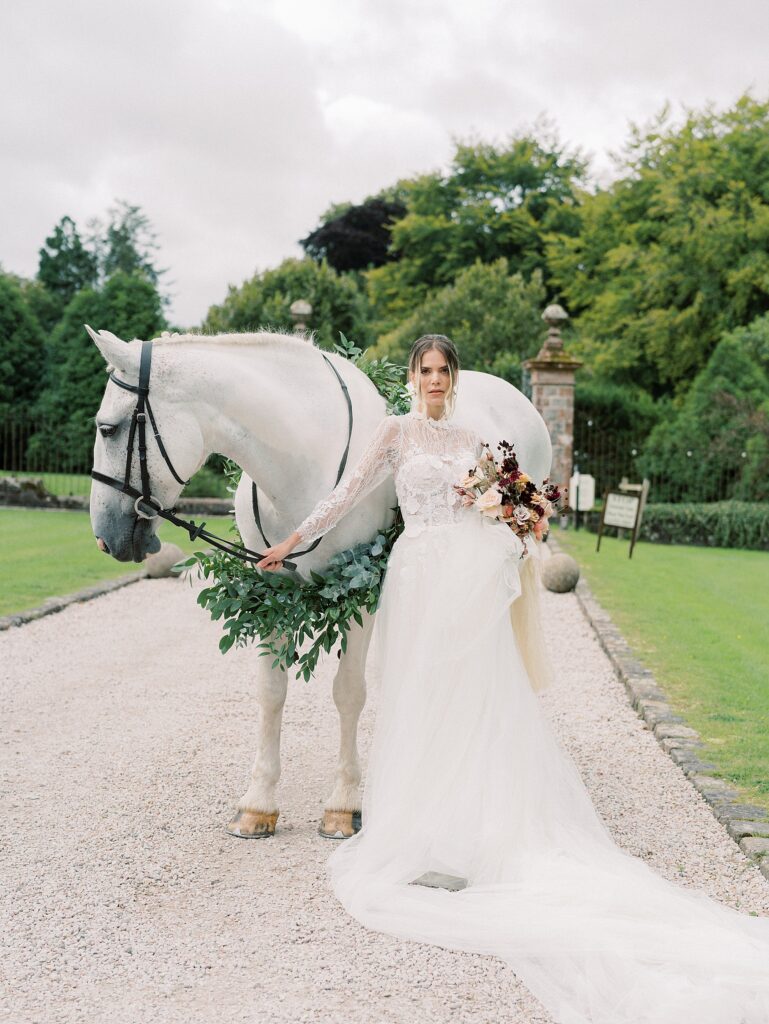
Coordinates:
<point>718,524</point>
<point>713,524</point>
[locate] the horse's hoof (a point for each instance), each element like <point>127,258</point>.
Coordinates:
<point>253,824</point>
<point>339,824</point>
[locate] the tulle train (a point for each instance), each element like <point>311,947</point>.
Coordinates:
<point>465,776</point>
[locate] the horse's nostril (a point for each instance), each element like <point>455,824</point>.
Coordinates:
<point>102,546</point>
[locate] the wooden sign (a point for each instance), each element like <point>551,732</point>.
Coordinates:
<point>623,511</point>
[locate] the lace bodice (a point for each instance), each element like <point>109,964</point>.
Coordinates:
<point>425,456</point>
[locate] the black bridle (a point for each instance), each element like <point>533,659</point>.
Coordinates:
<point>146,506</point>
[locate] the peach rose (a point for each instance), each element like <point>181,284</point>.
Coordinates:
<point>489,502</point>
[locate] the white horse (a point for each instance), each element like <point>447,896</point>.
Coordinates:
<point>272,404</point>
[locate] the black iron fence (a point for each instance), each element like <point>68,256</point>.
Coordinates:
<point>611,457</point>
<point>62,456</point>
<point>34,447</point>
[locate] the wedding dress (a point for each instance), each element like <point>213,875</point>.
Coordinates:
<point>466,777</point>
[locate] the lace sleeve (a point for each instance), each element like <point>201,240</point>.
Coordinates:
<point>377,461</point>
<point>478,443</point>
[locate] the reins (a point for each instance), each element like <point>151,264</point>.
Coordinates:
<point>144,499</point>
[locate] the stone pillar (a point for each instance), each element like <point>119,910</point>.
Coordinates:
<point>552,393</point>
<point>301,311</point>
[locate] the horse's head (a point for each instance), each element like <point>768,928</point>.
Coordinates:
<point>125,525</point>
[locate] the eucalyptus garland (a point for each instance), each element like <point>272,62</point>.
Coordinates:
<point>388,377</point>
<point>283,611</point>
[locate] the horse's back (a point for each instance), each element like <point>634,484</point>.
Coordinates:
<point>498,411</point>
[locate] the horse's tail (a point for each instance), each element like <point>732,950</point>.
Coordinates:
<point>526,619</point>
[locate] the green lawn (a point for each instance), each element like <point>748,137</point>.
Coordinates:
<point>699,619</point>
<point>51,552</point>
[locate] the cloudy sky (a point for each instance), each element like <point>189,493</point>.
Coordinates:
<point>234,124</point>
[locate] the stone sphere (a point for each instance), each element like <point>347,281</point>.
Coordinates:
<point>161,563</point>
<point>560,573</point>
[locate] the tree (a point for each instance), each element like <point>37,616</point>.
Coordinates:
<point>715,444</point>
<point>264,301</point>
<point>65,267</point>
<point>68,265</point>
<point>494,201</point>
<point>620,410</point>
<point>45,307</point>
<point>676,252</point>
<point>127,244</point>
<point>492,316</point>
<point>129,306</point>
<point>22,354</point>
<point>355,237</point>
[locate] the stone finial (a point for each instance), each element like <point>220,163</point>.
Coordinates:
<point>554,316</point>
<point>301,311</point>
<point>162,562</point>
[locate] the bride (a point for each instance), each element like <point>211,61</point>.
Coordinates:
<point>467,779</point>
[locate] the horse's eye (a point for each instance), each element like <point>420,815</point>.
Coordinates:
<point>107,429</point>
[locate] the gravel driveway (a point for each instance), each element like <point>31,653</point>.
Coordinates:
<point>126,738</point>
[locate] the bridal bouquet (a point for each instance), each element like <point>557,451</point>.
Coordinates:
<point>501,491</point>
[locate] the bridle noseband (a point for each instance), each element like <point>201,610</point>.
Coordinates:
<point>141,412</point>
<point>146,506</point>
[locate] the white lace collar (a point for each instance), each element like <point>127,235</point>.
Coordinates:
<point>443,422</point>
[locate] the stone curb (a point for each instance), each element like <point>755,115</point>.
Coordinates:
<point>747,824</point>
<point>57,604</point>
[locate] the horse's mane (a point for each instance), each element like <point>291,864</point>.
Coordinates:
<point>247,339</point>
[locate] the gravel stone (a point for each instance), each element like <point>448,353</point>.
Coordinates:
<point>126,740</point>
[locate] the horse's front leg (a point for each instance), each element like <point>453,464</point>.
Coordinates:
<point>257,810</point>
<point>342,810</point>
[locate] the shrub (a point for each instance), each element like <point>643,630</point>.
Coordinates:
<point>206,483</point>
<point>718,524</point>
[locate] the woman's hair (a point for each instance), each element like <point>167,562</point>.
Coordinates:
<point>448,350</point>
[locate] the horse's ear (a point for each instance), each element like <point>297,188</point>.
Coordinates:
<point>123,355</point>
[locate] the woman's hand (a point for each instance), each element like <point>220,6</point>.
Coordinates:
<point>273,557</point>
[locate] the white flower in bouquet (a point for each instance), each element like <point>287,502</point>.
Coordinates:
<point>521,514</point>
<point>489,502</point>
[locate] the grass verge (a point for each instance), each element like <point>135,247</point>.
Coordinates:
<point>52,552</point>
<point>699,619</point>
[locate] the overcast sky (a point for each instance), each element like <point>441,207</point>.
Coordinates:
<point>234,124</point>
